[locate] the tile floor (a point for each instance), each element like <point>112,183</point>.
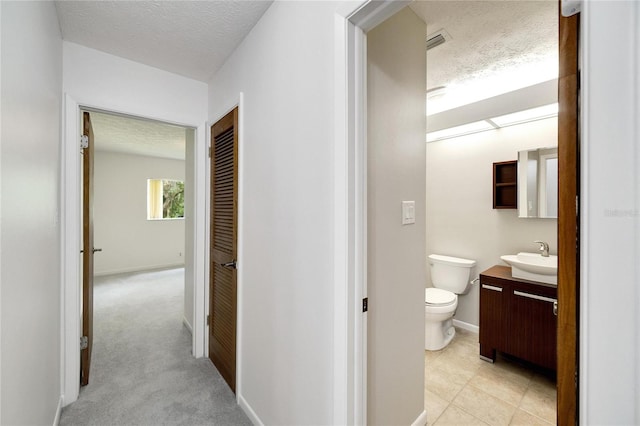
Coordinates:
<point>462,389</point>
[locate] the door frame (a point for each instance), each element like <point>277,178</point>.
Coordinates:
<point>350,206</point>
<point>71,232</point>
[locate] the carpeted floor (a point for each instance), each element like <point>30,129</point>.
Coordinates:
<point>142,370</point>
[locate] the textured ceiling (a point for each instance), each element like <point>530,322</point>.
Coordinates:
<point>495,47</point>
<point>116,133</point>
<point>189,38</point>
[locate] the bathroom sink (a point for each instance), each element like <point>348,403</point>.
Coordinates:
<point>533,266</point>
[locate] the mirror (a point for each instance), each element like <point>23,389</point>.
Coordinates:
<point>538,183</point>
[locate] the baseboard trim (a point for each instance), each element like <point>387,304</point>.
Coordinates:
<point>466,326</point>
<point>249,411</point>
<point>186,324</point>
<point>421,420</point>
<point>138,269</point>
<point>56,419</point>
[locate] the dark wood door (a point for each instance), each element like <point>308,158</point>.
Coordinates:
<point>222,270</point>
<point>87,251</point>
<point>568,222</point>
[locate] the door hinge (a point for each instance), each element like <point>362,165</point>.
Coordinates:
<point>84,142</point>
<point>208,320</point>
<point>84,343</point>
<point>365,304</point>
<point>209,152</point>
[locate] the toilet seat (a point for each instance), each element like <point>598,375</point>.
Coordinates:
<point>438,297</point>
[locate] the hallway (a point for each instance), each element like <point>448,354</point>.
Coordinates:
<point>142,369</point>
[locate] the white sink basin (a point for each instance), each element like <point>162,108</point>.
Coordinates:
<point>533,266</point>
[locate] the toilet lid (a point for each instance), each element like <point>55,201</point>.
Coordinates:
<point>438,296</point>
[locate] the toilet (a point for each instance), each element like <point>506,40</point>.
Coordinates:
<point>450,276</point>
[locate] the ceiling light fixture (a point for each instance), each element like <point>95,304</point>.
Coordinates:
<point>532,114</point>
<point>465,129</point>
<point>494,123</point>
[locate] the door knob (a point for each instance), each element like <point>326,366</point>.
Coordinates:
<point>231,264</point>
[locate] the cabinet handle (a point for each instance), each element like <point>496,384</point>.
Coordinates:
<point>555,308</point>
<point>534,296</point>
<point>490,287</point>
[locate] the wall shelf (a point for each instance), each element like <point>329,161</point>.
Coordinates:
<point>505,185</point>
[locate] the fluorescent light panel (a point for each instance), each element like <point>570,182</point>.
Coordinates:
<point>519,117</point>
<point>527,115</point>
<point>465,129</point>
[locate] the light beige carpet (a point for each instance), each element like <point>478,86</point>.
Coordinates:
<point>142,370</point>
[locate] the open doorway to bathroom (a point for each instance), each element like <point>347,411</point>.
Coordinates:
<point>389,327</point>
<point>492,72</point>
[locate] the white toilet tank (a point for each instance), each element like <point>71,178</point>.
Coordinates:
<point>450,273</point>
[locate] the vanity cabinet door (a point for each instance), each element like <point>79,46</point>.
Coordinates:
<point>534,327</point>
<point>492,318</point>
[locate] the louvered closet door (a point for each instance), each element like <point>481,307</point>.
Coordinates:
<point>224,211</point>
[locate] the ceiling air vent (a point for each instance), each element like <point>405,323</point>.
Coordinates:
<point>437,38</point>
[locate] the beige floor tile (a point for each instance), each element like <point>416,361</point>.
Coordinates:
<point>540,403</point>
<point>507,390</point>
<point>464,347</point>
<point>455,363</point>
<point>461,389</point>
<point>544,384</point>
<point>522,418</point>
<point>484,406</point>
<point>434,405</point>
<point>430,356</point>
<point>506,370</point>
<point>458,417</point>
<point>444,384</point>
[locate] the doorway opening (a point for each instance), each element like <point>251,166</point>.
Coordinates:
<point>191,287</point>
<point>133,215</point>
<point>355,233</point>
<point>491,97</point>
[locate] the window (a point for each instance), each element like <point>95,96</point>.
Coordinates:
<point>165,199</point>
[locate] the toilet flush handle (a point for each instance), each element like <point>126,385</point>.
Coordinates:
<point>474,281</point>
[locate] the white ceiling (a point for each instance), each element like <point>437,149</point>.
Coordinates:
<point>495,47</point>
<point>128,135</point>
<point>189,38</point>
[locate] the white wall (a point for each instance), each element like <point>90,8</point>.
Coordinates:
<point>30,243</point>
<point>461,221</point>
<point>396,81</point>
<point>284,68</point>
<point>129,241</point>
<point>95,79</point>
<point>610,214</point>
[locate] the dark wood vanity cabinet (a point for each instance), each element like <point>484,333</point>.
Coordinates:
<point>517,317</point>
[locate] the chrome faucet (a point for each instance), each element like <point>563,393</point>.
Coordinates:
<point>544,248</point>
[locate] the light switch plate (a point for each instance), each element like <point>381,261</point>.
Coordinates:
<point>408,212</point>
